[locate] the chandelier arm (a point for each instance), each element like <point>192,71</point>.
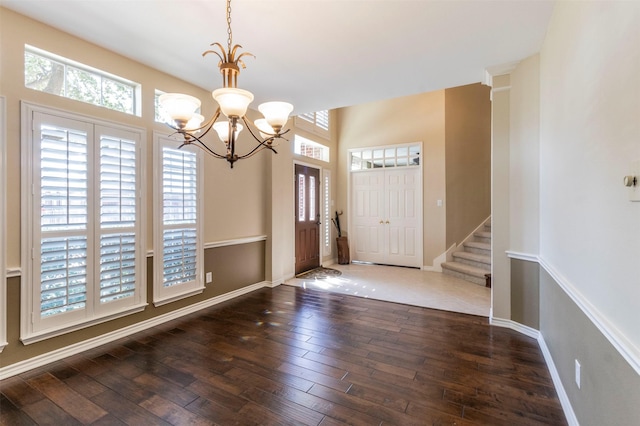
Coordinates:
<point>271,137</point>
<point>202,145</point>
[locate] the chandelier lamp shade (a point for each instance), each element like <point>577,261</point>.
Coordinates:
<point>233,103</point>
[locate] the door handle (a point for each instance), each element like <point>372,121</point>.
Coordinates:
<point>387,222</point>
<point>381,222</point>
<point>318,220</point>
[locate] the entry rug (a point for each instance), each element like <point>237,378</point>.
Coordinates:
<point>320,273</point>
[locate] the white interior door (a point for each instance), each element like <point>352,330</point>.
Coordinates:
<point>403,217</point>
<point>387,216</point>
<point>368,213</point>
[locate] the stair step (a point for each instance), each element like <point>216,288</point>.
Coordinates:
<point>478,248</point>
<point>473,259</point>
<point>483,234</point>
<point>465,272</point>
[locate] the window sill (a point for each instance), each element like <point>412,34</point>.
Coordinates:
<point>58,331</point>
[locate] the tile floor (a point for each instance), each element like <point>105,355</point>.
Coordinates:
<point>404,285</point>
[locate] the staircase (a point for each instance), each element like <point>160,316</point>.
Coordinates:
<point>474,262</point>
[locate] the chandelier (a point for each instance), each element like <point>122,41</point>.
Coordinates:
<point>233,104</point>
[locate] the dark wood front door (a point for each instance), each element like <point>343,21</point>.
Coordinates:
<point>307,197</point>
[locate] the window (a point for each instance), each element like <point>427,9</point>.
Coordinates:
<point>83,234</point>
<point>60,76</point>
<point>178,245</point>
<point>309,148</point>
<point>314,122</point>
<point>3,191</point>
<point>385,157</point>
<point>326,213</point>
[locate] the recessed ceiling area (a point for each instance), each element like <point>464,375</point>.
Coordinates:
<point>316,54</point>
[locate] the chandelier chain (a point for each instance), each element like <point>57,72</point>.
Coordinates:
<point>229,34</point>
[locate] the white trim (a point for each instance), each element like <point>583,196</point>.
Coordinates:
<point>163,294</point>
<point>628,351</point>
<point>79,325</point>
<point>235,241</point>
<point>58,354</point>
<point>557,382</point>
<point>174,297</point>
<point>468,238</point>
<point>438,261</point>
<point>522,256</point>
<point>515,326</point>
<point>13,272</point>
<point>420,202</point>
<point>3,227</point>
<point>32,327</point>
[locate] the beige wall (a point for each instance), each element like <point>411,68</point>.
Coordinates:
<point>467,159</point>
<point>418,118</point>
<point>454,126</point>
<point>230,194</point>
<point>235,201</point>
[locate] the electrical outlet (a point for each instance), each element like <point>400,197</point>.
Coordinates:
<point>578,368</point>
<point>209,277</point>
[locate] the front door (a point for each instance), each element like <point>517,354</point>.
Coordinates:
<point>307,197</point>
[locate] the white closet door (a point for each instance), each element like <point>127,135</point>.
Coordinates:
<point>387,218</point>
<point>402,197</point>
<point>368,212</point>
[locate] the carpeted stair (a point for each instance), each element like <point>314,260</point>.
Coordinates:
<point>474,262</point>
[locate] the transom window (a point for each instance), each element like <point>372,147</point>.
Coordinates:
<point>309,148</point>
<point>50,73</point>
<point>385,157</point>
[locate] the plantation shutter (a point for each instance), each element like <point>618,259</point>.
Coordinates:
<point>63,187</point>
<point>179,202</point>
<point>117,217</point>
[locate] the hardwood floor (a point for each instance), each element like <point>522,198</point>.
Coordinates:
<point>294,356</point>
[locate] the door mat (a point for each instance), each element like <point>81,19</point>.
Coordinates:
<point>320,273</point>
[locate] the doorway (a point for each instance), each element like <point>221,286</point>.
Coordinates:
<point>307,222</point>
<point>386,206</point>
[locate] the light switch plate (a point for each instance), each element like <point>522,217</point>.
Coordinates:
<point>209,277</point>
<point>634,191</point>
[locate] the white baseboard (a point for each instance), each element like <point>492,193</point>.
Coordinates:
<point>557,382</point>
<point>58,354</point>
<point>532,332</point>
<point>516,326</point>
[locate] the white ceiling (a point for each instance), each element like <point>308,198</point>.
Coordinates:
<point>317,54</point>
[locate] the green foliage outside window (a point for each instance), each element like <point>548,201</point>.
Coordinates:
<point>64,79</point>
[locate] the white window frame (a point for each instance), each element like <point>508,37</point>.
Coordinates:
<point>300,141</point>
<point>137,88</point>
<point>33,327</point>
<point>313,122</point>
<point>326,212</point>
<point>161,294</point>
<point>3,236</point>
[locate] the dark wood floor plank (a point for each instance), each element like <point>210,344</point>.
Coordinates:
<point>127,411</point>
<point>10,415</point>
<point>173,413</point>
<point>66,398</point>
<point>293,356</point>
<point>45,412</point>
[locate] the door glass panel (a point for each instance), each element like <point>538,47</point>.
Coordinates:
<point>301,198</point>
<point>312,198</point>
